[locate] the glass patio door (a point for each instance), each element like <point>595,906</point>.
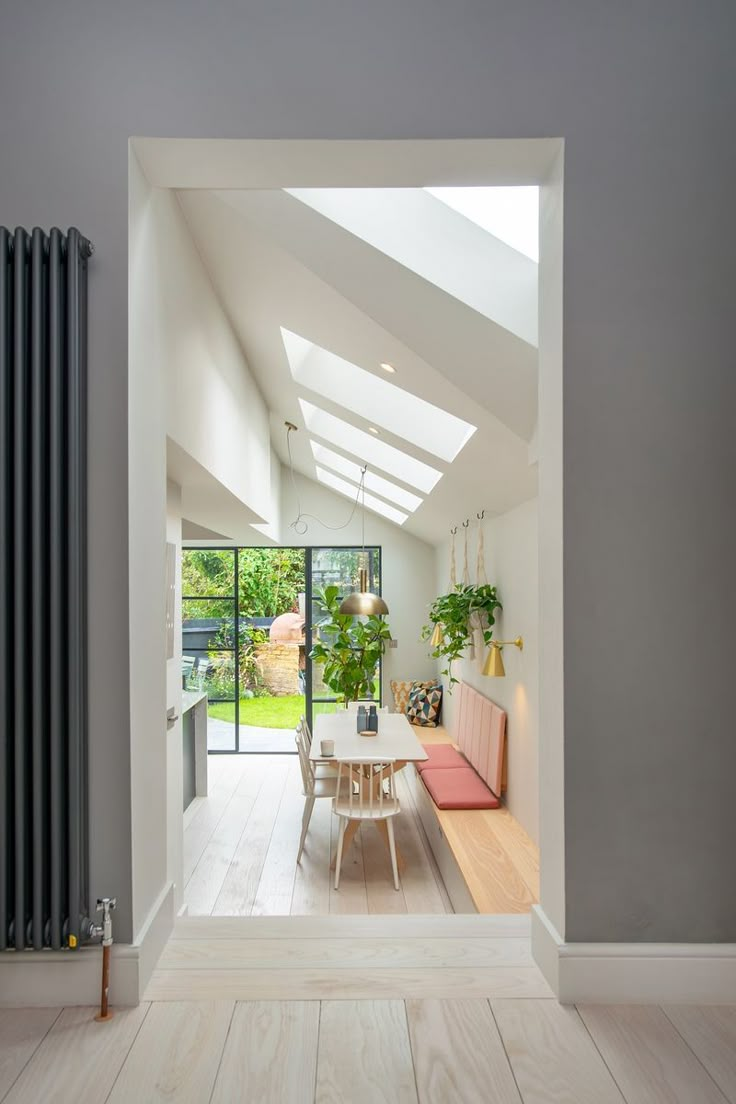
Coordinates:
<point>210,652</point>
<point>334,567</point>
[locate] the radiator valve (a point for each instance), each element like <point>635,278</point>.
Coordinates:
<point>105,905</point>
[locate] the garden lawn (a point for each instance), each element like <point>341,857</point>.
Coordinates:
<point>262,712</point>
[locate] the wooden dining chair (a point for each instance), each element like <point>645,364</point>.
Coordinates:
<point>366,792</point>
<point>317,780</point>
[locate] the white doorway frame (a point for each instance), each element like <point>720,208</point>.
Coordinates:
<point>179,163</point>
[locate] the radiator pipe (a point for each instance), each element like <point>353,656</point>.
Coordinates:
<point>105,905</point>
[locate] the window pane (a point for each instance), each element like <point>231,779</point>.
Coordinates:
<point>211,671</point>
<point>207,624</point>
<point>208,572</point>
<point>339,567</point>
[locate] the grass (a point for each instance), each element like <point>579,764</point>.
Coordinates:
<point>262,712</point>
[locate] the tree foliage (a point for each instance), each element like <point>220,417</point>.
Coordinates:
<point>270,579</point>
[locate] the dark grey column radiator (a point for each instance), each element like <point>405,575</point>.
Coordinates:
<point>43,589</point>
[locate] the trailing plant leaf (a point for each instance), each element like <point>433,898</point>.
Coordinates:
<point>457,613</point>
<point>348,648</point>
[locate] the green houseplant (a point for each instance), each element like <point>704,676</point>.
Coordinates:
<point>457,614</point>
<point>348,648</point>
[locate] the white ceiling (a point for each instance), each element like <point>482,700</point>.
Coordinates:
<point>278,263</point>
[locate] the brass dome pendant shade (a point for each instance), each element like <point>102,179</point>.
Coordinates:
<point>493,666</point>
<point>363,603</point>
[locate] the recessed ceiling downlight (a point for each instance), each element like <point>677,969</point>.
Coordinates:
<point>374,431</point>
<point>380,403</point>
<point>388,367</point>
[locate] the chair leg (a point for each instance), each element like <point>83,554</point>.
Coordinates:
<point>392,849</point>
<point>307,816</point>
<point>338,861</point>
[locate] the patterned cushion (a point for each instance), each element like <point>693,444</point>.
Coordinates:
<point>425,703</point>
<point>401,691</point>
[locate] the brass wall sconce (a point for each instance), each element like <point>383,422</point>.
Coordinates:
<point>493,666</point>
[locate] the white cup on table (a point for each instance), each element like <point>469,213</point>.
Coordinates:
<point>327,748</point>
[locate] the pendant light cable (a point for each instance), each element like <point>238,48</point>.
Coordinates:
<point>299,525</point>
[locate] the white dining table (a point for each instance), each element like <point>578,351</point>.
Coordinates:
<point>396,739</point>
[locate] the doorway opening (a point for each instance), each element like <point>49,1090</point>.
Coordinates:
<point>301,251</point>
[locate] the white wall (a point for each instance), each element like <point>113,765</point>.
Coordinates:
<point>188,380</point>
<point>511,543</point>
<point>174,753</point>
<point>215,411</point>
<point>146,549</point>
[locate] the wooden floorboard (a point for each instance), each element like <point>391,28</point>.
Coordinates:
<point>710,1032</point>
<point>552,1055</point>
<point>463,926</point>
<point>270,1053</point>
<point>649,1059</point>
<point>240,846</point>
<point>417,1047</point>
<point>276,886</point>
<point>21,1033</point>
<point>458,1053</point>
<point>240,884</point>
<point>176,1054</point>
<point>81,1054</point>
<point>364,1054</point>
<point>311,896</point>
<point>354,952</point>
<point>345,984</point>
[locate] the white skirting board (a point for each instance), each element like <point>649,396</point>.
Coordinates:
<point>52,979</point>
<point>633,973</point>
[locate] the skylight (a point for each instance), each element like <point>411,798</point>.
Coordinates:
<point>375,399</point>
<point>373,482</point>
<point>511,214</point>
<point>350,491</point>
<point>371,450</point>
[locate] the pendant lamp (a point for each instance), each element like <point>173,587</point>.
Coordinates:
<point>437,636</point>
<point>363,603</point>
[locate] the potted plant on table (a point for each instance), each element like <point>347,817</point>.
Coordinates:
<point>348,648</point>
<point>453,618</point>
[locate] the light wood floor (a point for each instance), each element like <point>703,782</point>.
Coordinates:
<point>240,847</point>
<point>461,1050</point>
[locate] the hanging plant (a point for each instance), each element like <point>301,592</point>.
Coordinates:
<point>457,614</point>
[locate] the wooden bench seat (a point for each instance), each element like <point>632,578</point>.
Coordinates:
<point>487,861</point>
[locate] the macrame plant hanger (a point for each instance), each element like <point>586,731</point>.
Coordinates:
<point>466,582</point>
<point>481,579</point>
<point>453,565</point>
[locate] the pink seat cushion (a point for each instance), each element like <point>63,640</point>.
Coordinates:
<point>458,788</point>
<point>441,755</point>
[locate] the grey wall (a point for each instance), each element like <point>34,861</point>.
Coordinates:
<point>644,96</point>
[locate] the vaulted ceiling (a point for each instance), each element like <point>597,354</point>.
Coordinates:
<point>324,286</point>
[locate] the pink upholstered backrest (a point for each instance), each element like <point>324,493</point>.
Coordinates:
<point>481,727</point>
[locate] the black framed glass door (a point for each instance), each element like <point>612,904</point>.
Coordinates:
<point>335,566</point>
<point>249,617</point>
<point>210,639</point>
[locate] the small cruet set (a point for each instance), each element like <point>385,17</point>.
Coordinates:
<point>367,721</point>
